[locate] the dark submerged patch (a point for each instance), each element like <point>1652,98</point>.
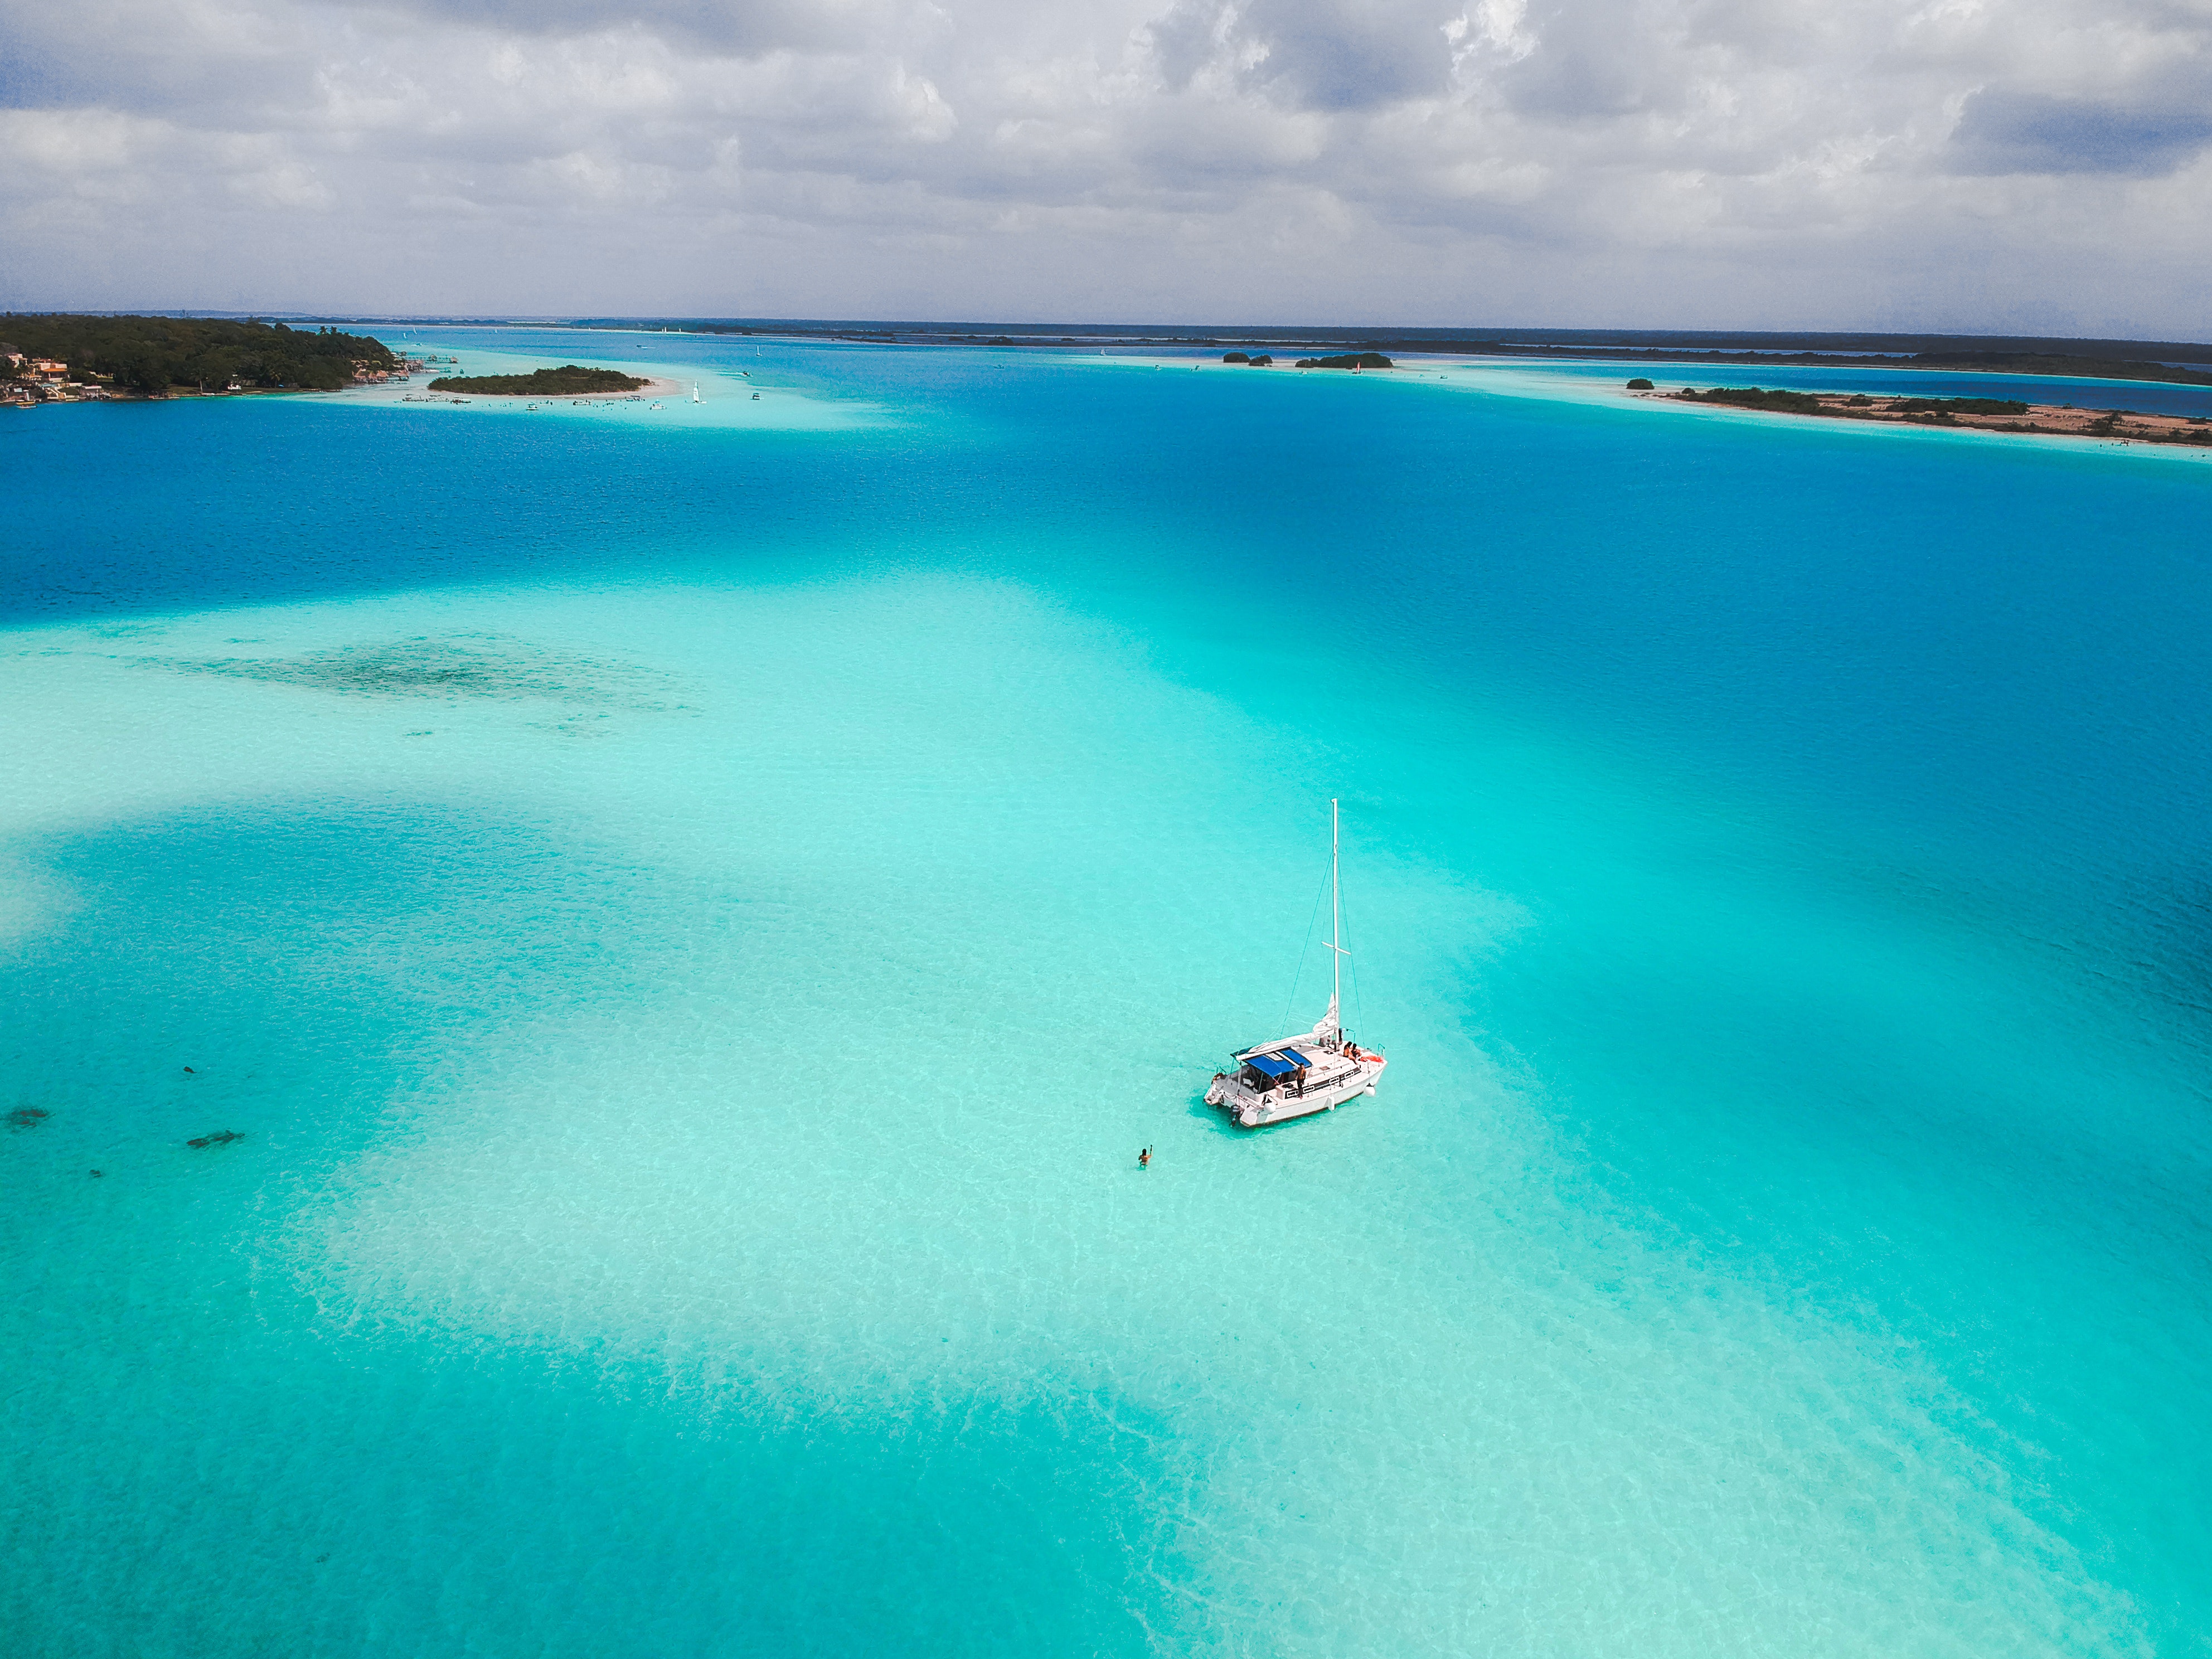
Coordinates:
<point>475,667</point>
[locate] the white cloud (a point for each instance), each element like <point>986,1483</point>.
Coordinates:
<point>2001,163</point>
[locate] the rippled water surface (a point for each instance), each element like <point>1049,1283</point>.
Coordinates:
<point>690,913</point>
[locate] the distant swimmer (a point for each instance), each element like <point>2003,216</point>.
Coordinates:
<point>188,1068</point>
<point>1145,1158</point>
<point>95,1174</point>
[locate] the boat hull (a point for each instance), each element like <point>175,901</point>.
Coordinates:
<point>1249,1111</point>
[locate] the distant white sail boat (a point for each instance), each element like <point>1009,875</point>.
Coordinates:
<point>695,392</point>
<point>1317,1071</point>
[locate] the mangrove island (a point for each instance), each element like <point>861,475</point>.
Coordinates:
<point>1975,414</point>
<point>570,380</point>
<point>1348,360</point>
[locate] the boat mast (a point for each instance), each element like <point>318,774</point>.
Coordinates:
<point>1338,952</point>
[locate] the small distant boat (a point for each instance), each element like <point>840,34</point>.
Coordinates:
<point>1315,1072</point>
<point>695,392</point>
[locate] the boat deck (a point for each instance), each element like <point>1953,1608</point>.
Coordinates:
<point>1331,1078</point>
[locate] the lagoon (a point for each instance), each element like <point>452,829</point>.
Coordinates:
<point>693,912</point>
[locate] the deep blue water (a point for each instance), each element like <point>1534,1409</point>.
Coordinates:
<point>694,972</point>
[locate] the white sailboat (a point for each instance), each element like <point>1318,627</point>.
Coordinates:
<point>1314,1071</point>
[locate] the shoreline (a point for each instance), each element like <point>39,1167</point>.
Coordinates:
<point>2017,357</point>
<point>102,394</point>
<point>2121,426</point>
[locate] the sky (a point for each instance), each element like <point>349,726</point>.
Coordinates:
<point>2028,166</point>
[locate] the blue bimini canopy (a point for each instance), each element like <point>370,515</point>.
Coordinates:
<point>1274,1065</point>
<point>1294,1057</point>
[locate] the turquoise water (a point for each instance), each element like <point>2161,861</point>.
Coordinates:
<point>693,912</point>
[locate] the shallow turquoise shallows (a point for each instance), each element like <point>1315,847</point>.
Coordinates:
<point>694,909</point>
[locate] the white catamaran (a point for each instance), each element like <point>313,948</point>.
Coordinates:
<point>1315,1072</point>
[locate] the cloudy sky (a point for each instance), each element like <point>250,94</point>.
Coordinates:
<point>2031,165</point>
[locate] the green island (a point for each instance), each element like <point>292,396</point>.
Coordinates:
<point>1809,403</point>
<point>151,356</point>
<point>570,379</point>
<point>1349,360</point>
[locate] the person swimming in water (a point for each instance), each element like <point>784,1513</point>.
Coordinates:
<point>1143,1157</point>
